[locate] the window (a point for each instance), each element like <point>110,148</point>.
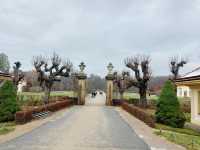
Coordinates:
<point>180,91</point>
<point>185,93</point>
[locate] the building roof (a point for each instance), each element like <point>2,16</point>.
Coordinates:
<point>192,75</point>
<point>195,72</point>
<point>5,76</point>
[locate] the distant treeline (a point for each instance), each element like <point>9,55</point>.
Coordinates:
<point>93,82</point>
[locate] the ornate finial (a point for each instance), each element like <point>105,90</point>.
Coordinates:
<point>82,67</point>
<point>110,68</point>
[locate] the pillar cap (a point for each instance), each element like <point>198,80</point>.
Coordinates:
<point>81,76</point>
<point>110,77</point>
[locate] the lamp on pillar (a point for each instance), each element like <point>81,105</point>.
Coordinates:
<point>110,68</point>
<point>82,84</point>
<point>82,67</point>
<point>109,85</point>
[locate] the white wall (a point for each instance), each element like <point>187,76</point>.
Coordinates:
<point>195,100</point>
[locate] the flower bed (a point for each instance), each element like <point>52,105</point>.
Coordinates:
<point>139,113</point>
<point>25,116</point>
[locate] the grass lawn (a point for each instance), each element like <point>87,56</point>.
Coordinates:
<point>191,142</point>
<point>130,95</point>
<point>186,137</point>
<point>6,127</point>
<point>35,99</point>
<point>55,93</point>
<point>178,130</point>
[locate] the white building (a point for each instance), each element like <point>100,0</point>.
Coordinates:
<point>20,86</point>
<point>192,80</point>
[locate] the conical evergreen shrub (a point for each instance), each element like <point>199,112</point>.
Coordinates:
<point>8,102</point>
<point>168,108</point>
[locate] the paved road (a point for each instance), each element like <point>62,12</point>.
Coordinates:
<point>81,128</point>
<point>98,100</point>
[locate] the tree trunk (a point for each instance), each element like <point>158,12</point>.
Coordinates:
<point>121,95</point>
<point>143,97</point>
<point>47,93</point>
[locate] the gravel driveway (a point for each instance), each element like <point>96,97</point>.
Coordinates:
<point>81,128</point>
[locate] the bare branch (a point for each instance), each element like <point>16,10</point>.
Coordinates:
<point>133,63</point>
<point>48,75</point>
<point>18,74</point>
<point>140,65</point>
<point>175,66</point>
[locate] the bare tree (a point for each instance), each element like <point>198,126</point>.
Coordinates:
<point>50,72</point>
<point>122,82</point>
<point>140,65</point>
<point>18,75</point>
<point>175,66</point>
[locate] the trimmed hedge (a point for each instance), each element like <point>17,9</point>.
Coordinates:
<point>139,113</point>
<point>150,103</point>
<point>22,117</point>
<point>117,102</point>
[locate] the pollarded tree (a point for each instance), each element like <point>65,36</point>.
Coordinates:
<point>175,66</point>
<point>50,72</point>
<point>18,74</point>
<point>140,65</point>
<point>122,82</point>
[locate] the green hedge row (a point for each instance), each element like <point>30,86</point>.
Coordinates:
<point>22,117</point>
<point>139,113</point>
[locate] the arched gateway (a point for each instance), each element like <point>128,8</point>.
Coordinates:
<point>82,77</point>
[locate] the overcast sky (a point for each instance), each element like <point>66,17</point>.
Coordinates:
<point>101,31</point>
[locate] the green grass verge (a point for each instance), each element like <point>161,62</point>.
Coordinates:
<point>131,95</point>
<point>178,130</point>
<point>56,93</point>
<point>6,127</point>
<point>191,142</point>
<point>36,99</point>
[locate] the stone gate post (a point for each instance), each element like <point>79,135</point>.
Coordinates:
<point>109,85</point>
<point>81,84</point>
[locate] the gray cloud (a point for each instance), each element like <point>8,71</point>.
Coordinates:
<point>100,31</point>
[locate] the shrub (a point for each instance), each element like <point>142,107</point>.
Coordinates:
<point>34,100</point>
<point>22,117</point>
<point>185,105</point>
<point>35,89</point>
<point>139,113</point>
<point>8,102</point>
<point>117,102</point>
<point>168,108</point>
<point>133,101</point>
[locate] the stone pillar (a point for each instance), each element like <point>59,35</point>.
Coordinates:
<point>109,86</point>
<point>109,90</point>
<point>81,89</point>
<point>81,85</point>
